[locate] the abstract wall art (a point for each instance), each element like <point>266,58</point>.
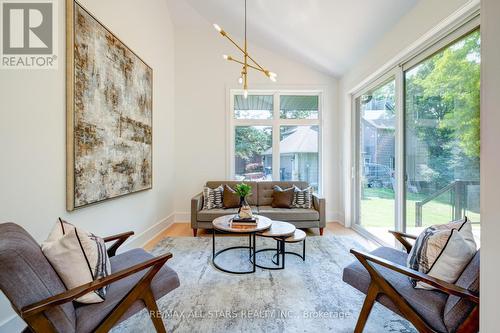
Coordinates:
<point>109,113</point>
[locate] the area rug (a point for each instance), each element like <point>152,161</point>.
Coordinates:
<point>306,296</point>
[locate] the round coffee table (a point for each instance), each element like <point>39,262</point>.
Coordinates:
<point>224,224</point>
<point>280,231</point>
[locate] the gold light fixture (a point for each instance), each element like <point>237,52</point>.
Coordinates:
<point>243,79</point>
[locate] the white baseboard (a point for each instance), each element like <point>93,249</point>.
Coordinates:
<point>12,325</point>
<point>147,235</point>
<point>182,217</point>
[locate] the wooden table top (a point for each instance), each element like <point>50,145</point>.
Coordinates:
<point>279,229</point>
<point>223,223</point>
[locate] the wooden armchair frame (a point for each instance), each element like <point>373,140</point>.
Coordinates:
<point>34,314</point>
<point>379,285</point>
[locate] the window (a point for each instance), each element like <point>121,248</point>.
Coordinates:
<point>276,136</point>
<point>442,136</point>
<point>416,140</point>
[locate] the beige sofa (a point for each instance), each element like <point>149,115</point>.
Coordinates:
<point>260,201</point>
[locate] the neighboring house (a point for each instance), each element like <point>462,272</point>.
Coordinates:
<point>378,138</point>
<point>298,155</point>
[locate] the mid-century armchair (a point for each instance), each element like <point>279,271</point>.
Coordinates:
<point>383,276</point>
<point>37,294</point>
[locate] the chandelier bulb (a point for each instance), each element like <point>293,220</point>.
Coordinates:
<point>272,74</point>
<point>245,93</point>
<point>240,80</point>
<point>225,56</point>
<point>217,27</point>
<point>272,78</point>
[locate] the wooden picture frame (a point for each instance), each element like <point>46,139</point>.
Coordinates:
<point>109,113</point>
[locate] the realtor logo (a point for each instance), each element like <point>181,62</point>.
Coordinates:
<point>28,34</point>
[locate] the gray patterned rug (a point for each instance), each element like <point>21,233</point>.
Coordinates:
<point>307,296</point>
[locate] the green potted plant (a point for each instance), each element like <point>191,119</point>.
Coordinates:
<point>244,190</point>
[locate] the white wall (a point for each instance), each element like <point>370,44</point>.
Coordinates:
<point>32,134</point>
<point>490,165</point>
<point>422,18</point>
<point>202,79</point>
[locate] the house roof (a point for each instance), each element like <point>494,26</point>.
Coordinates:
<point>380,119</point>
<point>303,140</point>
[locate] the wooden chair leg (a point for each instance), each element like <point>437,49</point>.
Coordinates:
<point>321,231</point>
<point>371,296</point>
<point>154,313</point>
<point>195,232</point>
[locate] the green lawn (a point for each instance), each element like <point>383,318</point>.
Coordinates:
<point>377,209</point>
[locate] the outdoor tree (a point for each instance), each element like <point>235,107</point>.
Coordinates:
<point>442,107</point>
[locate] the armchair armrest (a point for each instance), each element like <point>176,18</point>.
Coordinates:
<point>76,292</point>
<point>401,237</point>
<point>319,204</point>
<point>441,285</point>
<point>119,238</point>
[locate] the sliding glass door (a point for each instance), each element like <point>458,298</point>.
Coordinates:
<point>376,124</point>
<point>442,135</point>
<point>417,141</point>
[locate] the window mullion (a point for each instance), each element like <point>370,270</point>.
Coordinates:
<point>276,137</point>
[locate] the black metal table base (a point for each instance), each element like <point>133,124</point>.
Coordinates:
<point>279,243</point>
<point>251,252</point>
<point>276,257</point>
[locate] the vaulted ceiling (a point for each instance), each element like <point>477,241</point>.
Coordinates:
<point>330,35</point>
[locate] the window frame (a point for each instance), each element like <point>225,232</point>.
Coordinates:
<point>275,123</point>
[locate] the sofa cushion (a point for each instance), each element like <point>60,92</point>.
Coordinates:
<point>89,316</point>
<point>289,214</point>
<point>428,303</point>
<point>265,190</point>
<point>252,198</point>
<point>282,198</point>
<point>456,308</point>
<point>208,215</point>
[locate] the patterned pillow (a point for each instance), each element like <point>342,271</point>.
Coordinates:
<point>78,257</point>
<point>212,198</point>
<point>302,198</point>
<point>442,251</point>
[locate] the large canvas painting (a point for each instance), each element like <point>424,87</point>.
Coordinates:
<point>109,113</point>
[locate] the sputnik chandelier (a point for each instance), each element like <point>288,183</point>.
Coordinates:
<point>243,79</point>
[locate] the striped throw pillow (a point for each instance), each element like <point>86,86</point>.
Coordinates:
<point>78,257</point>
<point>302,198</point>
<point>212,197</point>
<point>442,251</point>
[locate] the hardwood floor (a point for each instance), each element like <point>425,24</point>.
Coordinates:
<point>332,228</point>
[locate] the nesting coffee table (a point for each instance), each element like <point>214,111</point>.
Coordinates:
<point>280,231</point>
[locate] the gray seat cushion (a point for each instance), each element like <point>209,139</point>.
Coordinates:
<point>456,308</point>
<point>89,316</point>
<point>208,215</point>
<point>428,303</point>
<point>289,214</point>
<point>26,277</point>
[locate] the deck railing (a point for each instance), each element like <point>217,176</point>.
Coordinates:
<point>458,190</point>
